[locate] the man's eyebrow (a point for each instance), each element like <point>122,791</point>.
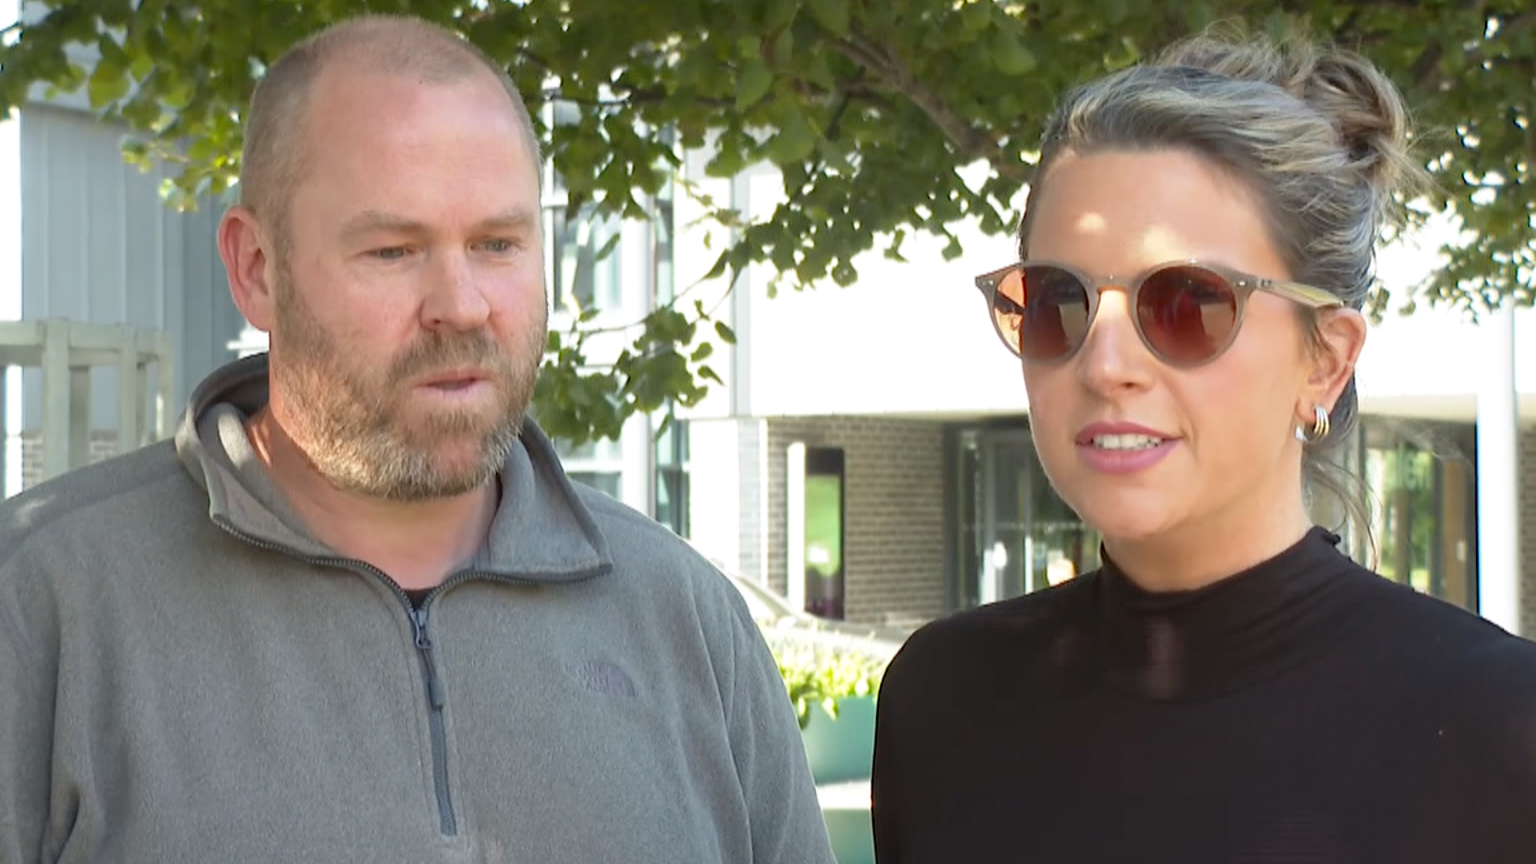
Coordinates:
<point>516,219</point>
<point>377,220</point>
<point>368,221</point>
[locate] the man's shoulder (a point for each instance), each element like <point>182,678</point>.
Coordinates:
<point>639,546</point>
<point>131,492</point>
<point>631,534</point>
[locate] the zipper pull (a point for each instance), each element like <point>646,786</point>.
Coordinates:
<point>435,692</point>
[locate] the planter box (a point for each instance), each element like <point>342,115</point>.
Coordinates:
<point>841,749</point>
<point>845,810</point>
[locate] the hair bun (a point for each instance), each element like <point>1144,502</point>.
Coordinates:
<point>1367,110</point>
<point>1356,98</point>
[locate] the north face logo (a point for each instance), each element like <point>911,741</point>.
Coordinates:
<point>602,677</point>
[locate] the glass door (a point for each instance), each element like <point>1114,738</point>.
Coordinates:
<point>1018,535</point>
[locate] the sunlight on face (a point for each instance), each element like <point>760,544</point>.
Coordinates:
<point>1162,244</point>
<point>1092,225</point>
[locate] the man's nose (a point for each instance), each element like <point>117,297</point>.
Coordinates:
<point>455,299</point>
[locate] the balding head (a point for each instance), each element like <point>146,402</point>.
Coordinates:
<point>275,154</point>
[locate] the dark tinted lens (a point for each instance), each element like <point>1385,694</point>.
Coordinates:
<point>1187,313</point>
<point>1042,311</point>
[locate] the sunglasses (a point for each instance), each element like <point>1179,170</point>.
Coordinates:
<point>1186,313</point>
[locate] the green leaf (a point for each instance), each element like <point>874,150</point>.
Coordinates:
<point>844,274</point>
<point>795,141</point>
<point>1198,16</point>
<point>1009,54</point>
<point>726,334</point>
<point>784,48</point>
<point>756,79</point>
<point>107,84</point>
<point>178,97</point>
<point>833,15</point>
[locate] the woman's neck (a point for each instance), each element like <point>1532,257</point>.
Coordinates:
<point>1198,554</point>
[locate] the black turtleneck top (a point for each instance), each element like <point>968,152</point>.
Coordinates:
<point>1301,712</point>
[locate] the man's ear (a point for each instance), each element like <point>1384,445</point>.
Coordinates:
<point>1342,333</point>
<point>247,251</point>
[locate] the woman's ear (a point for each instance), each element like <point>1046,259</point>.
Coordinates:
<point>1342,335</point>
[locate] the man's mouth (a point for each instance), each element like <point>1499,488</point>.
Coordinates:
<point>454,379</point>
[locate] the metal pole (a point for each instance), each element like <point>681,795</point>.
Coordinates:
<point>1498,493</point>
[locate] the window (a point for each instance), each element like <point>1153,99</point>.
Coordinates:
<point>661,247</point>
<point>606,482</point>
<point>599,464</point>
<point>671,506</point>
<point>585,269</point>
<point>584,259</point>
<point>1423,506</point>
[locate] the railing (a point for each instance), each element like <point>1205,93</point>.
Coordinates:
<point>67,351</point>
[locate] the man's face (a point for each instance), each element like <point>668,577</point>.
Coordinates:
<point>411,314</point>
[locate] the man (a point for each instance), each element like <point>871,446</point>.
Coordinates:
<point>356,611</point>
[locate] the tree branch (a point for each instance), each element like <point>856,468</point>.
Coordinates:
<point>529,55</point>
<point>1425,69</point>
<point>969,141</point>
<point>635,97</point>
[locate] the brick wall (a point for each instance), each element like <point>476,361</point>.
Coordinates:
<point>893,552</point>
<point>103,444</point>
<point>1528,531</point>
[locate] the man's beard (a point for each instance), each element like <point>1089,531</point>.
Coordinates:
<point>352,423</point>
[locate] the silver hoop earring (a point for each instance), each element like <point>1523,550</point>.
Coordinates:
<point>1320,426</point>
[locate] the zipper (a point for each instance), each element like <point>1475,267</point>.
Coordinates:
<point>436,693</point>
<point>436,699</point>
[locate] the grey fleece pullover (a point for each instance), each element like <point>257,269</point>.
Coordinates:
<point>187,675</point>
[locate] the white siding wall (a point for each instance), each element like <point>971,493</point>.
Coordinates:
<point>99,245</point>
<point>10,279</point>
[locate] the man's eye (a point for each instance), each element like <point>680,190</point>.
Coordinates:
<point>497,245</point>
<point>389,253</point>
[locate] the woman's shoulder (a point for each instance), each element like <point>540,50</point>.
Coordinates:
<point>1476,659</point>
<point>981,640</point>
<point>1494,663</point>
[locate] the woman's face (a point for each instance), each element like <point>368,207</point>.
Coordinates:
<point>1228,463</point>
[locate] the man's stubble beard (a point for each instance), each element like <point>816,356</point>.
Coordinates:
<point>350,425</point>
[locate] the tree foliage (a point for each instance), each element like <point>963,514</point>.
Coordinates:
<point>868,108</point>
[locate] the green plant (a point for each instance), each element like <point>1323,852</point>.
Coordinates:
<point>816,674</point>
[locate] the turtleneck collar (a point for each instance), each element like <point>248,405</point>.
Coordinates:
<point>1245,628</point>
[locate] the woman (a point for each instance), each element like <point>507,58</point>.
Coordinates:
<point>1229,686</point>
